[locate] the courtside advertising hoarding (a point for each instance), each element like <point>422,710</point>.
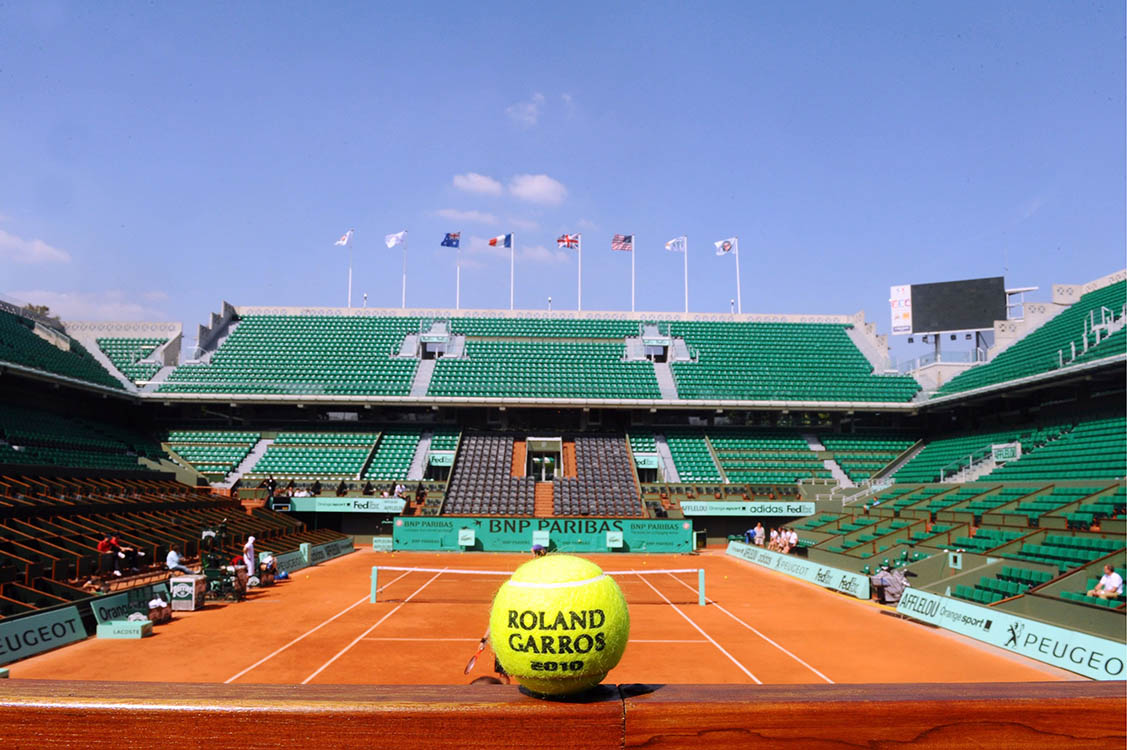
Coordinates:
<point>565,534</point>
<point>1096,658</point>
<point>24,636</point>
<point>844,581</point>
<point>730,508</point>
<point>347,504</point>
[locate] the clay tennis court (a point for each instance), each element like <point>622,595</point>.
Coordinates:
<point>320,628</point>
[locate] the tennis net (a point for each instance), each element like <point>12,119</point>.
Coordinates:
<point>456,585</point>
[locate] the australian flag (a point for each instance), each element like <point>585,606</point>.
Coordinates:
<point>452,239</point>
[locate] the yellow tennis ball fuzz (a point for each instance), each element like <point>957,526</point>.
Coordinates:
<point>559,624</point>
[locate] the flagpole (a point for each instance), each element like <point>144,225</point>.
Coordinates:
<point>458,282</point>
<point>404,302</point>
<point>349,243</point>
<point>512,255</point>
<point>579,276</point>
<point>633,249</point>
<point>739,301</point>
<point>686,273</point>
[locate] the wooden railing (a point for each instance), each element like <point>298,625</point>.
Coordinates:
<point>40,713</point>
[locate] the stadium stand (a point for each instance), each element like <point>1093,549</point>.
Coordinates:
<point>214,454</point>
<point>269,354</point>
<point>482,483</point>
<point>1093,449</point>
<point>38,437</point>
<point>946,457</point>
<point>604,484</point>
<point>126,355</point>
<point>1040,351</point>
<point>393,454</point>
<point>542,369</point>
<point>862,456</point>
<point>780,361</point>
<point>29,343</point>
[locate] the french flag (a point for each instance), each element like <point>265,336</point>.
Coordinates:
<point>504,240</point>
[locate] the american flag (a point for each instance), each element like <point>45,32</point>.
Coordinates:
<point>623,242</point>
<point>568,240</point>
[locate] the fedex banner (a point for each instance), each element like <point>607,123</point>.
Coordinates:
<point>1096,658</point>
<point>844,581</point>
<point>730,508</point>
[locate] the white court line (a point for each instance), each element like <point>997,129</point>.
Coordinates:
<point>369,630</point>
<point>475,640</point>
<point>706,635</point>
<point>264,659</point>
<point>749,627</point>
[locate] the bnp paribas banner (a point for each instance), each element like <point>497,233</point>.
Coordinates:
<point>1096,658</point>
<point>747,508</point>
<point>346,504</point>
<point>844,581</point>
<point>561,534</point>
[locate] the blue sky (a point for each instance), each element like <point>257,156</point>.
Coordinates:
<point>159,158</point>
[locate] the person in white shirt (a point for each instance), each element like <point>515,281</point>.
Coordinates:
<point>792,538</point>
<point>1110,585</point>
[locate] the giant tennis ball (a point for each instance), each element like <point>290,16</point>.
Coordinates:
<point>559,624</point>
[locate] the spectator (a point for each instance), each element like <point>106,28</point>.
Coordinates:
<point>760,534</point>
<point>315,490</point>
<point>400,491</point>
<point>128,555</point>
<point>107,557</point>
<point>1110,585</point>
<point>175,562</point>
<point>342,489</point>
<point>420,495</point>
<point>773,542</point>
<point>784,540</point>
<point>792,538</point>
<point>749,535</point>
<point>369,489</point>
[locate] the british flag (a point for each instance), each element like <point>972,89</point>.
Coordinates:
<point>568,240</point>
<point>624,242</point>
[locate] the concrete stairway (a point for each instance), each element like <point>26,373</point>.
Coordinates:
<point>419,461</point>
<point>423,375</point>
<point>161,376</point>
<point>665,383</point>
<point>669,469</point>
<point>542,500</point>
<point>247,463</point>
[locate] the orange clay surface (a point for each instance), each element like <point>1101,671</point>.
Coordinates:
<point>319,627</point>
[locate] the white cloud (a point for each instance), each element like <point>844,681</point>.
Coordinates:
<point>541,254</point>
<point>474,216</point>
<point>526,114</point>
<point>527,225</point>
<point>538,188</point>
<point>569,103</point>
<point>18,250</point>
<point>110,305</point>
<point>472,182</point>
<point>587,224</point>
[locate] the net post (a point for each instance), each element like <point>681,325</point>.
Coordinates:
<point>375,583</point>
<point>700,586</point>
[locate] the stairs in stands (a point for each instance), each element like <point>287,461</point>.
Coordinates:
<point>665,382</point>
<point>423,373</point>
<point>570,466</point>
<point>520,452</point>
<point>668,467</point>
<point>418,466</point>
<point>542,500</point>
<point>247,463</point>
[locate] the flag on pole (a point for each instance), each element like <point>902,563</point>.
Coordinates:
<point>623,242</point>
<point>344,238</point>
<point>568,240</point>
<point>730,246</point>
<point>502,240</point>
<point>677,244</point>
<point>452,239</point>
<point>396,239</point>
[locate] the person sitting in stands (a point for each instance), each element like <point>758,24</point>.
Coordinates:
<point>128,555</point>
<point>400,491</point>
<point>342,489</point>
<point>420,495</point>
<point>1110,585</point>
<point>107,557</point>
<point>792,538</point>
<point>773,542</point>
<point>369,489</point>
<point>315,490</point>
<point>175,562</point>
<point>760,534</point>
